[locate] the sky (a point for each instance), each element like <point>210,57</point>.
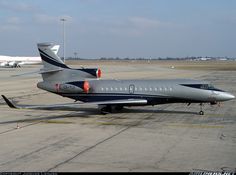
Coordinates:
<point>120,28</point>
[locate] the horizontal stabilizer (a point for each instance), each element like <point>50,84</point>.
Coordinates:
<point>27,73</point>
<point>43,71</point>
<point>70,106</point>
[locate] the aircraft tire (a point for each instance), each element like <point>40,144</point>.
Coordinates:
<point>201,113</point>
<point>106,110</point>
<point>119,107</point>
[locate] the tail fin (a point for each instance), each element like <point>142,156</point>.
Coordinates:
<point>50,59</point>
<point>55,70</point>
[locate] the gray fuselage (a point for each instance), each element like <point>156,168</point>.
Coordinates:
<point>154,91</point>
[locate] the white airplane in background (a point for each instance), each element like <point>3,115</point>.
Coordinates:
<point>9,61</point>
<point>15,61</point>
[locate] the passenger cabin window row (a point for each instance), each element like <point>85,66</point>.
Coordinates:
<point>138,89</point>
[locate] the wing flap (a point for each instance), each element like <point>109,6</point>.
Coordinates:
<point>124,102</point>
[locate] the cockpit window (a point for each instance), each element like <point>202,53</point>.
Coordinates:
<point>211,86</point>
<point>202,86</point>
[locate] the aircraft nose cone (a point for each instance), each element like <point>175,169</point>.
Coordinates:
<point>232,97</point>
<point>226,96</point>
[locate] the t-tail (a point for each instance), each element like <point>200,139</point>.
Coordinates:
<point>50,59</point>
<point>60,78</point>
<point>53,66</point>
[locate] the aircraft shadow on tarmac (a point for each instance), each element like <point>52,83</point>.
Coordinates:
<point>91,112</point>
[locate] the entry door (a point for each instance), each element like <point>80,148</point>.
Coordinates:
<point>131,89</point>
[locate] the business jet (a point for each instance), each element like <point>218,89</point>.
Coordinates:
<point>85,87</point>
<point>16,61</point>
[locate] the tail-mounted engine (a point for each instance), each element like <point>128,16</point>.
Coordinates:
<point>95,73</point>
<point>70,87</point>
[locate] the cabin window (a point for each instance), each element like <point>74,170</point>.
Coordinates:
<point>136,89</point>
<point>145,89</point>
<point>171,89</point>
<point>111,89</point>
<point>155,89</point>
<point>120,88</point>
<point>160,89</point>
<point>125,89</point>
<point>102,89</point>
<point>106,89</point>
<point>150,89</point>
<point>116,89</point>
<point>141,89</point>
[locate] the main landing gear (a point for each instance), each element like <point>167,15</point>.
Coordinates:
<point>201,112</point>
<point>109,109</point>
<point>106,110</point>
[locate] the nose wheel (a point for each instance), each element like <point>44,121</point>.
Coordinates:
<point>201,112</point>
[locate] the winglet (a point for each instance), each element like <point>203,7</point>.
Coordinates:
<point>9,103</point>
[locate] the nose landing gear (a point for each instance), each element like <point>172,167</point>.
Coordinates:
<point>201,111</point>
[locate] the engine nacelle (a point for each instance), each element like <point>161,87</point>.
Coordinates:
<point>70,87</point>
<point>13,64</point>
<point>4,64</point>
<point>96,73</point>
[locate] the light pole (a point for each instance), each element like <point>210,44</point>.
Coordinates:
<point>64,44</point>
<point>75,53</point>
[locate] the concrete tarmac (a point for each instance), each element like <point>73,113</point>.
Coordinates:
<point>171,137</point>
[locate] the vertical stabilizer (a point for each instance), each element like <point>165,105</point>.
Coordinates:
<point>50,59</point>
<point>55,70</point>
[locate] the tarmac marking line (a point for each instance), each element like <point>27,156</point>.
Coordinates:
<point>195,126</point>
<point>98,143</point>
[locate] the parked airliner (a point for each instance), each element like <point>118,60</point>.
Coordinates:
<point>17,61</point>
<point>85,85</point>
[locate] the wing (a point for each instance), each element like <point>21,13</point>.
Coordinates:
<point>70,106</point>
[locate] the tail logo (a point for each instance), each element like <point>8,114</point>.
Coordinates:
<point>47,58</point>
